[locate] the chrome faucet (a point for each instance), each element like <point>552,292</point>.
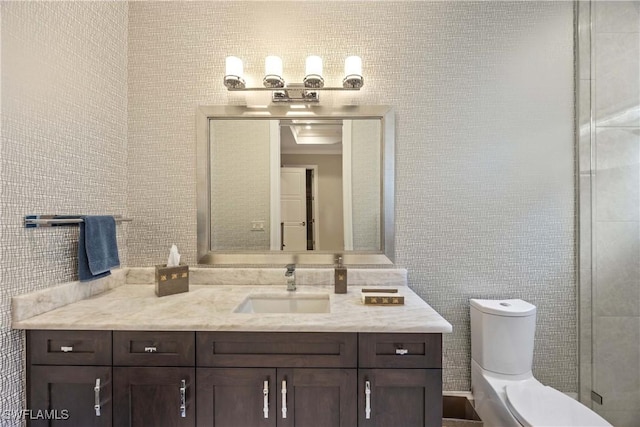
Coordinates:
<point>291,277</point>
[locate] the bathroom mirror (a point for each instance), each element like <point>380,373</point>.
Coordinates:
<point>295,184</point>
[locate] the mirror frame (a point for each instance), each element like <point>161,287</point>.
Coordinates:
<point>204,114</point>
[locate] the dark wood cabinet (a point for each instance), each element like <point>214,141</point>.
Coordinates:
<point>69,347</point>
<point>231,397</point>
<point>156,396</point>
<point>276,379</point>
<point>264,397</point>
<point>399,397</point>
<point>69,378</point>
<point>153,348</point>
<point>154,378</point>
<point>317,397</point>
<point>70,396</point>
<point>277,349</point>
<point>400,380</point>
<point>233,379</point>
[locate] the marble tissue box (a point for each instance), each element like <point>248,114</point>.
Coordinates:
<point>171,280</point>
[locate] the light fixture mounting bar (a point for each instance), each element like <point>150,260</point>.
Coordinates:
<point>249,89</point>
<point>293,93</point>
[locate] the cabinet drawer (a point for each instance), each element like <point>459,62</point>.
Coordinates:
<point>277,349</point>
<point>153,348</point>
<point>400,350</point>
<point>48,347</point>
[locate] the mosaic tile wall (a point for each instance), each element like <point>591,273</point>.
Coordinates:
<point>64,148</point>
<point>484,95</point>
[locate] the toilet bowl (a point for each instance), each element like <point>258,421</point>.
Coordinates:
<point>505,391</point>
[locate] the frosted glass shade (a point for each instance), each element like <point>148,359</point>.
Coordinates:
<point>234,66</point>
<point>273,72</point>
<point>353,73</point>
<point>313,66</point>
<point>353,66</point>
<point>313,72</point>
<point>273,66</point>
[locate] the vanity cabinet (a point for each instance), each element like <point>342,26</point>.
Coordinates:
<point>262,397</point>
<point>231,379</point>
<point>400,380</point>
<point>155,396</point>
<point>69,378</point>
<point>154,375</point>
<point>277,379</point>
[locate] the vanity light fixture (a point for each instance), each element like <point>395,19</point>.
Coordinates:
<point>234,74</point>
<point>307,91</point>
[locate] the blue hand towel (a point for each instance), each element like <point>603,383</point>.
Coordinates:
<point>97,247</point>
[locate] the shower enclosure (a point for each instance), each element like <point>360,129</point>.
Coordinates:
<point>608,165</point>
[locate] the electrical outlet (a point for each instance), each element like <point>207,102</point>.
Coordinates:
<point>257,225</point>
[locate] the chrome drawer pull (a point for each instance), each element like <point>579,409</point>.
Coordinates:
<point>265,393</point>
<point>150,349</point>
<point>183,400</point>
<point>66,348</point>
<point>367,399</point>
<point>284,398</point>
<point>96,402</point>
<point>402,351</point>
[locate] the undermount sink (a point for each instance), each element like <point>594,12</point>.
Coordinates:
<point>289,303</point>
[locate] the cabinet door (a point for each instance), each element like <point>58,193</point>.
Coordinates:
<point>317,397</point>
<point>156,396</point>
<point>234,397</point>
<point>67,396</point>
<point>399,397</point>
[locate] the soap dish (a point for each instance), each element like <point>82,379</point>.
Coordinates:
<point>382,297</point>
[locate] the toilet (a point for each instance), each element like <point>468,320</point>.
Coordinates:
<point>505,392</point>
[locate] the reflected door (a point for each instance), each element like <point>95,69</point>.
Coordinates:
<point>293,208</point>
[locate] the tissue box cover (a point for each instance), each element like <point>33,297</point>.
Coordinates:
<point>171,280</point>
<point>381,297</point>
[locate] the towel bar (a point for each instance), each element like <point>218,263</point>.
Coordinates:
<point>34,221</point>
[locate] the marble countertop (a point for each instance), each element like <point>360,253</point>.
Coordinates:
<point>211,308</point>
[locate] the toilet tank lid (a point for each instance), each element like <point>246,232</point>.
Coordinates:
<point>504,307</point>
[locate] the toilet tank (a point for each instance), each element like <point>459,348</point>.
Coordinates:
<point>502,335</point>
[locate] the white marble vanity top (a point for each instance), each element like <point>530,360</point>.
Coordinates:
<point>210,307</point>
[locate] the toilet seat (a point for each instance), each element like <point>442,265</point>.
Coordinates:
<point>536,405</point>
